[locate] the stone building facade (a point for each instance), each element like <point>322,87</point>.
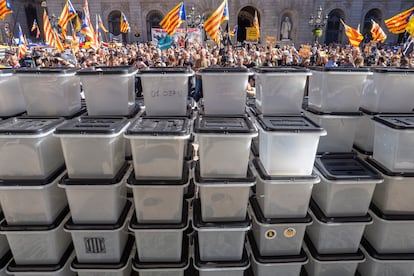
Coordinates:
<point>145,14</point>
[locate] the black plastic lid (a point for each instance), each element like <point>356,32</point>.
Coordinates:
<point>33,182</point>
<point>199,223</point>
<point>104,265</point>
<point>165,70</point>
<point>223,125</point>
<point>218,264</point>
<point>107,70</point>
<point>224,70</point>
<point>261,218</point>
<point>135,225</point>
<point>45,70</point>
<point>15,268</point>
<point>250,178</point>
<point>159,126</point>
<point>392,70</point>
<point>317,212</point>
<point>322,113</point>
<point>300,258</point>
<point>161,182</point>
<point>392,217</point>
<point>15,115</point>
<point>69,225</point>
<point>255,111</point>
<point>282,69</point>
<point>386,257</point>
<point>357,149</point>
<point>75,114</point>
<point>29,125</point>
<point>359,256</point>
<point>95,182</point>
<point>288,123</point>
<point>20,228</point>
<point>304,273</point>
<point>263,174</point>
<point>5,259</point>
<point>165,265</point>
<point>339,69</point>
<point>386,171</point>
<point>255,147</point>
<point>92,125</point>
<point>401,122</point>
<point>339,167</point>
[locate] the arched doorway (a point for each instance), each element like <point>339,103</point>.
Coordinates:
<point>114,25</point>
<point>334,26</point>
<point>244,20</point>
<point>153,21</point>
<point>374,14</point>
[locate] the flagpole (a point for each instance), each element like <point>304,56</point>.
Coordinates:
<point>14,26</point>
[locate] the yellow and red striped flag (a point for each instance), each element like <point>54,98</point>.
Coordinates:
<point>58,43</point>
<point>354,35</point>
<point>124,24</point>
<point>48,31</point>
<point>67,14</point>
<point>377,32</point>
<point>256,24</point>
<point>212,24</point>
<point>5,8</point>
<point>173,19</point>
<point>35,27</point>
<point>398,23</point>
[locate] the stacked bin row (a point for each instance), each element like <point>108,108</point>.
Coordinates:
<point>222,174</point>
<point>35,209</point>
<point>340,202</point>
<point>388,241</point>
<point>161,176</point>
<point>283,165</point>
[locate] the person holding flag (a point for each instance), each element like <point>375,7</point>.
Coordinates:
<point>35,27</point>
<point>212,24</point>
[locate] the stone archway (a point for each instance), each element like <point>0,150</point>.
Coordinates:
<point>244,20</point>
<point>114,25</point>
<point>153,20</point>
<point>334,27</point>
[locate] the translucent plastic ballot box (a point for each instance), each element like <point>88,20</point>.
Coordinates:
<point>11,97</point>
<point>224,90</point>
<point>389,90</point>
<point>166,90</point>
<point>93,147</point>
<point>50,91</point>
<point>28,149</point>
<point>336,89</point>
<point>109,90</point>
<point>280,90</point>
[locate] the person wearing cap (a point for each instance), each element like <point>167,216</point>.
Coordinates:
<point>349,62</point>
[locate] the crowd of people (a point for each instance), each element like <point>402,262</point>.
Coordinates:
<point>196,56</point>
